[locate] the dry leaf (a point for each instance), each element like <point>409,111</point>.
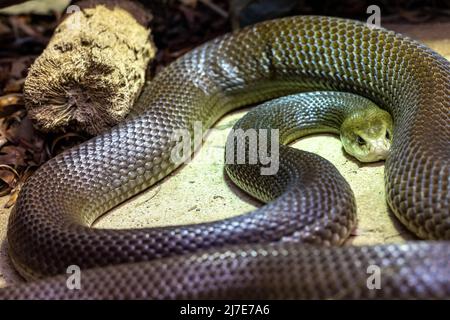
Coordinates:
<point>10,104</point>
<point>13,156</point>
<point>8,175</point>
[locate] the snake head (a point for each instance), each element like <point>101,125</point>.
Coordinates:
<point>367,134</point>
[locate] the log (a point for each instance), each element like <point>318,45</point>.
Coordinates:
<point>93,68</point>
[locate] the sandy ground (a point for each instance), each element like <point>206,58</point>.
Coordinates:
<point>200,192</point>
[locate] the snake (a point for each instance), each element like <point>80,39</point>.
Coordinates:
<point>289,248</point>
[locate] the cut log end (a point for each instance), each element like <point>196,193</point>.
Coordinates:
<point>91,73</point>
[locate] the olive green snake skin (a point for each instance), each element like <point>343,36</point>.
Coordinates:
<point>284,249</point>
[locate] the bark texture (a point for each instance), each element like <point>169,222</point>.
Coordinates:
<point>93,69</point>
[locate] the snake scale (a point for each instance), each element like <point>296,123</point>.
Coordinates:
<point>279,250</point>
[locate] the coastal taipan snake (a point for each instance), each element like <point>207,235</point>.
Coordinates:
<point>279,250</point>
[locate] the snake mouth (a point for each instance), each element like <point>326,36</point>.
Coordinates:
<point>378,151</point>
<point>379,155</point>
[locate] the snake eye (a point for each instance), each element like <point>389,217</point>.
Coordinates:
<point>388,135</point>
<point>360,141</point>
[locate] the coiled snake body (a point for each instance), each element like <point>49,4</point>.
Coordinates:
<point>276,251</point>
